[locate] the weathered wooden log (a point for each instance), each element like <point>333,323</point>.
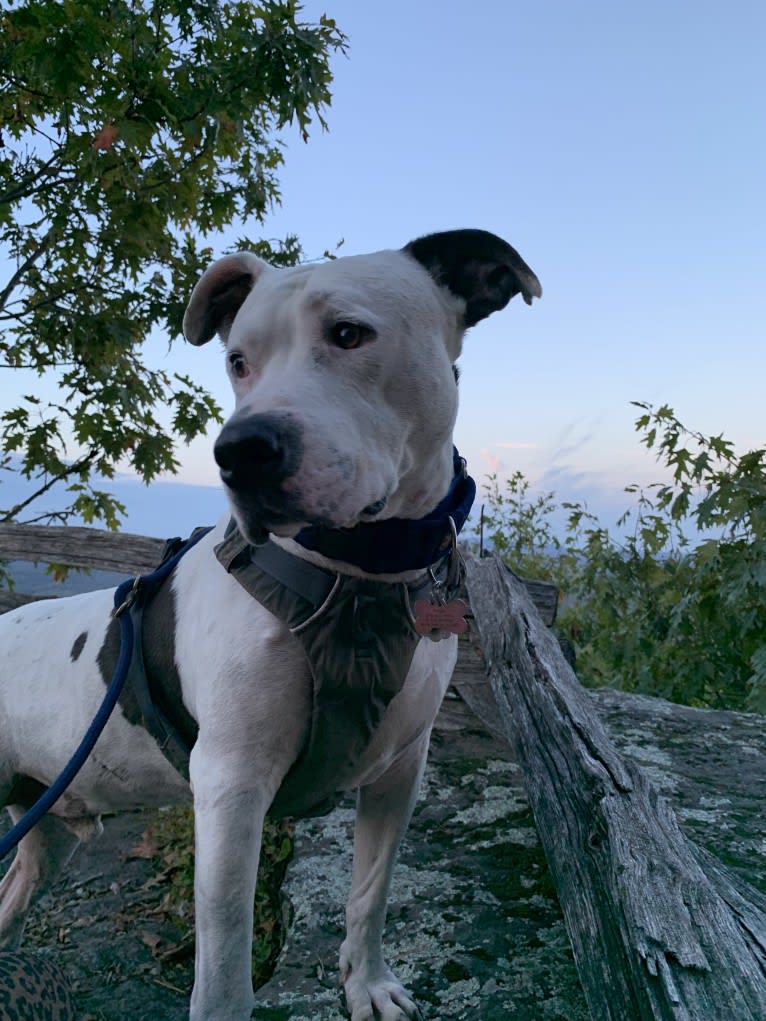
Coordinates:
<point>80,547</point>
<point>89,548</point>
<point>660,929</point>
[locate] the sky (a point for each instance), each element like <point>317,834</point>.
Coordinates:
<point>620,147</point>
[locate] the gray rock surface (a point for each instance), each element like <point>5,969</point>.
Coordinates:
<point>474,928</point>
<point>710,765</point>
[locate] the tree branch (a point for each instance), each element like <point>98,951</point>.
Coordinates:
<point>72,469</point>
<point>17,277</point>
<point>23,189</point>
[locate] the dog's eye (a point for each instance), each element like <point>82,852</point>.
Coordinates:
<point>238,365</point>
<point>350,335</point>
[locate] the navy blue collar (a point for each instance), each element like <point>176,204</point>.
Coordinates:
<point>398,544</point>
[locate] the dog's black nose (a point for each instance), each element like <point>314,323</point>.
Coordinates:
<point>257,450</point>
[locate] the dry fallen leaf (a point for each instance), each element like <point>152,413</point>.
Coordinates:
<point>145,848</point>
<point>151,940</point>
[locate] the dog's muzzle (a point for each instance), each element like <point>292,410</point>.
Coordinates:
<point>256,454</point>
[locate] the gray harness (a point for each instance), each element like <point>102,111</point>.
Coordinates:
<point>359,639</point>
<point>359,636</point>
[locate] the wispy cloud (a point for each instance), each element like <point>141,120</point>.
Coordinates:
<point>572,439</point>
<point>493,463</point>
<point>516,445</point>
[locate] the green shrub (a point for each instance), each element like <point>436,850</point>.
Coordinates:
<point>674,604</point>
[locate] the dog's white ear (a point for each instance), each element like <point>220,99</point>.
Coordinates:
<point>478,267</point>
<point>218,295</point>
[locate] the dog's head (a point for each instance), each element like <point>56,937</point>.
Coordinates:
<point>343,374</point>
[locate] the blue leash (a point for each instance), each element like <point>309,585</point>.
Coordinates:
<point>124,597</point>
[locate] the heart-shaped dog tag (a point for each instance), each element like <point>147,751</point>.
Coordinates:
<point>440,616</point>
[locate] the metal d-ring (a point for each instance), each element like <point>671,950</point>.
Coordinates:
<point>453,569</point>
<point>441,589</point>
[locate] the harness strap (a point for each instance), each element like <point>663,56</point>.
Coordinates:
<point>171,744</point>
<point>359,639</point>
<point>310,583</point>
<point>164,731</point>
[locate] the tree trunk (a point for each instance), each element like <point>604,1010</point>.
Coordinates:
<point>660,929</point>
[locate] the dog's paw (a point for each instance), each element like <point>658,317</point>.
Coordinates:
<point>377,996</point>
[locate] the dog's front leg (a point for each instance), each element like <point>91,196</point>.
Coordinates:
<point>228,825</point>
<point>384,809</point>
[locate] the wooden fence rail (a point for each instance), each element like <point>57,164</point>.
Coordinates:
<point>89,548</point>
<point>80,547</point>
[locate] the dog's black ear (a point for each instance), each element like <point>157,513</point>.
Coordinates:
<point>477,266</point>
<point>218,295</point>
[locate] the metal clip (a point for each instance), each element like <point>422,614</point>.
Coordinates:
<point>455,560</point>
<point>129,599</point>
<point>442,588</point>
<point>437,594</point>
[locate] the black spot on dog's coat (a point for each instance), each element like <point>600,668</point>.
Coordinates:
<point>77,646</point>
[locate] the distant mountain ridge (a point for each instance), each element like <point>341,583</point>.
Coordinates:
<point>34,580</point>
<point>160,509</point>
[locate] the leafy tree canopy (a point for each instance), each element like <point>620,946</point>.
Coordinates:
<point>129,131</point>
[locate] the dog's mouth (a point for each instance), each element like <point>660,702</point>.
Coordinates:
<point>256,535</point>
<point>257,521</point>
<point>372,510</point>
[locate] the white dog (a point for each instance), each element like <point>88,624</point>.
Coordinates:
<point>345,489</point>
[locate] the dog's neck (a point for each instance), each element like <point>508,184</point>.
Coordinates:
<point>395,546</point>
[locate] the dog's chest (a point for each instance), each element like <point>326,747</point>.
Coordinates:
<point>359,648</point>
